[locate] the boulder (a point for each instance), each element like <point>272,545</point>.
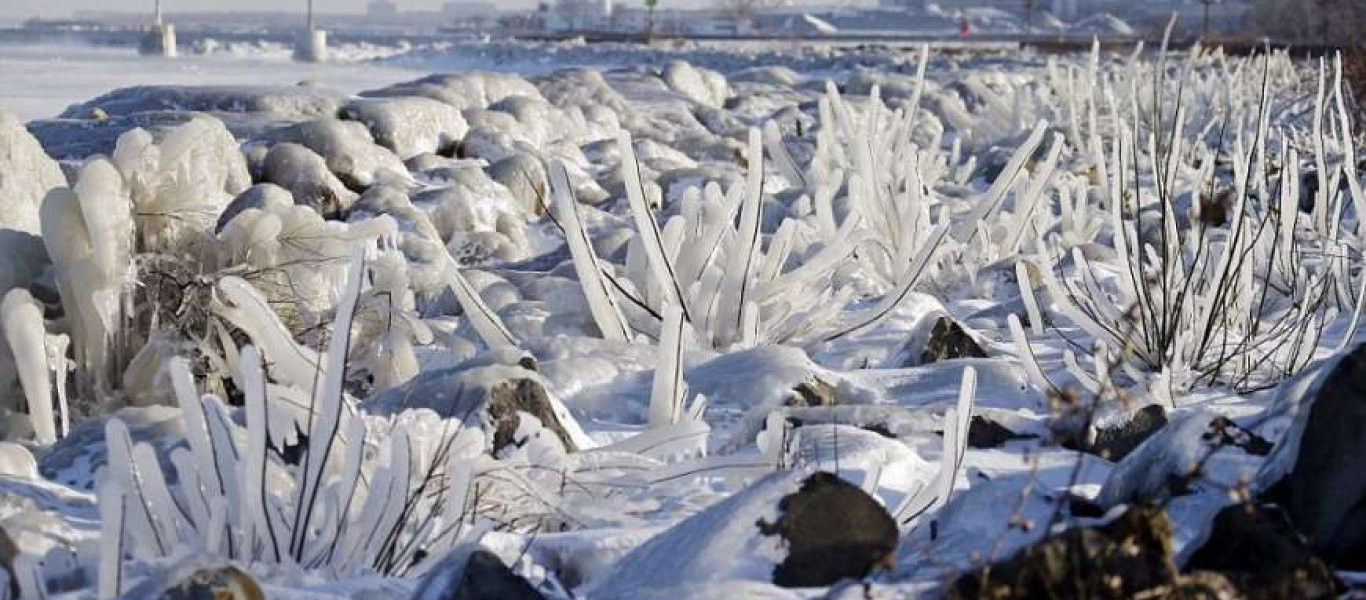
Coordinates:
<point>1256,549</point>
<point>304,175</point>
<point>410,126</point>
<point>833,530</point>
<point>1316,471</point>
<point>282,102</point>
<point>266,197</point>
<point>494,396</point>
<point>348,148</point>
<point>1193,452</point>
<point>1114,442</point>
<point>787,528</point>
<point>482,576</point>
<point>525,176</point>
<point>469,89</point>
<point>26,176</point>
<point>700,85</point>
<point>1127,558</point>
<point>949,340</point>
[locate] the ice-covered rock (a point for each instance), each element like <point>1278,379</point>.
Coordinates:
<point>470,89</point>
<point>542,121</point>
<point>305,176</point>
<point>16,461</point>
<point>1315,469</point>
<point>409,126</point>
<point>282,102</point>
<point>477,217</point>
<point>266,197</point>
<point>351,153</point>
<point>495,396</point>
<point>482,576</point>
<point>777,76</point>
<point>788,528</point>
<point>701,85</point>
<point>26,176</point>
<point>525,176</point>
<point>1193,451</point>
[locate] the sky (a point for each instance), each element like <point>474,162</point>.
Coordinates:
<point>62,8</point>
<point>59,8</point>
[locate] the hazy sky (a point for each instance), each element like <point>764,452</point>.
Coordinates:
<point>23,8</point>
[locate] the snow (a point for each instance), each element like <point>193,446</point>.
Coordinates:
<point>268,303</point>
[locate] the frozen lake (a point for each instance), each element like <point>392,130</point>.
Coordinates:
<point>41,80</point>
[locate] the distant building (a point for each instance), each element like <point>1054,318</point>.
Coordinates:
<point>467,9</point>
<point>579,15</point>
<point>382,8</point>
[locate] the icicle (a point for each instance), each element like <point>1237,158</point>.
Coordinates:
<point>668,390</point>
<point>601,301</point>
<point>660,267</point>
<point>21,318</point>
<point>112,531</point>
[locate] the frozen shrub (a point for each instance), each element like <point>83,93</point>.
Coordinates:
<point>179,178</point>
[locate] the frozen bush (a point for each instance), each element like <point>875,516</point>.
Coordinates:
<point>179,178</point>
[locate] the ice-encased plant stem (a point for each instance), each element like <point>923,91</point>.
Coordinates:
<point>87,231</point>
<point>21,318</point>
<point>602,304</point>
<point>240,501</point>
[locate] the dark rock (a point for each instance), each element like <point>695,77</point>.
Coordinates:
<point>468,393</point>
<point>1203,585</point>
<point>950,340</point>
<point>813,392</point>
<point>1323,490</point>
<point>1114,443</point>
<point>1129,557</point>
<point>1168,464</point>
<point>1228,433</point>
<point>833,530</point>
<point>227,583</point>
<point>485,577</point>
<point>1257,549</point>
<point>985,433</point>
<point>507,399</point>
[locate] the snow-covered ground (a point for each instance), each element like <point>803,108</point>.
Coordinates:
<point>591,320</point>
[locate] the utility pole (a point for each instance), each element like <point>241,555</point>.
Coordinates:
<point>1205,28</point>
<point>1029,18</point>
<point>312,43</point>
<point>160,40</point>
<point>649,19</point>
